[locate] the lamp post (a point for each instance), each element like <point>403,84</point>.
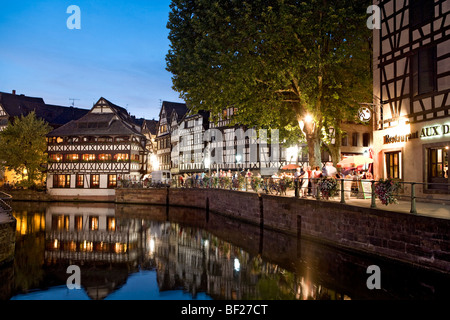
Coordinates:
<point>308,119</point>
<point>208,160</point>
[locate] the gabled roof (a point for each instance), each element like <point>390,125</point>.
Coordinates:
<point>203,114</point>
<point>21,105</point>
<point>151,126</point>
<point>117,122</point>
<point>170,107</point>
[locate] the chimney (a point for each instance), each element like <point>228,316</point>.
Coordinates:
<point>14,92</point>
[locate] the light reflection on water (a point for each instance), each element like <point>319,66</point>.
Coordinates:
<point>128,252</point>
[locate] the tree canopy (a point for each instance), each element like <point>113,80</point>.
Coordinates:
<point>23,146</point>
<point>277,61</point>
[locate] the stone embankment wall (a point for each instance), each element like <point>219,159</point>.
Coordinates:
<point>420,240</point>
<point>7,237</point>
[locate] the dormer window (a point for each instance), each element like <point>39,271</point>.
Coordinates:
<point>163,128</point>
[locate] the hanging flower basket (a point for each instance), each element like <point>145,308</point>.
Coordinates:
<point>328,187</point>
<point>385,191</point>
<point>256,183</point>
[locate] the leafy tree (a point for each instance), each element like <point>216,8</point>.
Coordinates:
<point>276,61</point>
<point>23,146</point>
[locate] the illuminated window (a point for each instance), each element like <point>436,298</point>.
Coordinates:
<point>121,157</point>
<point>104,157</point>
<point>393,164</point>
<point>72,157</point>
<point>437,159</point>
<point>56,157</point>
<point>95,181</point>
<point>80,181</point>
<point>112,181</point>
<point>61,181</point>
<point>88,157</point>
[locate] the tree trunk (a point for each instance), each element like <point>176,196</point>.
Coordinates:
<point>313,141</point>
<point>335,149</point>
<point>312,135</point>
<point>314,154</point>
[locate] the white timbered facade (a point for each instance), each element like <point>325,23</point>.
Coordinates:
<point>174,141</point>
<point>191,146</point>
<point>411,93</point>
<point>235,147</point>
<point>89,156</point>
<point>169,111</point>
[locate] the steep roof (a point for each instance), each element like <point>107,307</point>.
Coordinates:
<point>151,125</point>
<point>21,105</point>
<point>17,105</point>
<point>169,107</point>
<point>117,122</point>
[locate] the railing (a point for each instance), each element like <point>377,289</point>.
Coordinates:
<point>5,202</point>
<point>344,189</point>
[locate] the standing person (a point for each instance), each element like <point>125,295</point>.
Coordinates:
<point>202,176</point>
<point>324,171</point>
<point>331,170</point>
<point>180,178</point>
<point>316,174</point>
<point>309,171</point>
<point>297,182</point>
<point>304,183</point>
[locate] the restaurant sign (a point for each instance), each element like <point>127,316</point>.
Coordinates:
<point>425,132</point>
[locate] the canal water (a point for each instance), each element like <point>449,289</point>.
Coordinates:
<point>132,252</point>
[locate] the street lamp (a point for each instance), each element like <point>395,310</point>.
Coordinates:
<point>307,120</point>
<point>207,155</point>
<point>238,160</point>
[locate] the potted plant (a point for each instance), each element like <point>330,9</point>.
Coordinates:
<point>385,190</point>
<point>328,187</point>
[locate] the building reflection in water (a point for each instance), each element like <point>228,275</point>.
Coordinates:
<point>216,256</point>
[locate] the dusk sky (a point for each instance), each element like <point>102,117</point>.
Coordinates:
<point>119,53</point>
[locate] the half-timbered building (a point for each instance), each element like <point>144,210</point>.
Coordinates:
<point>163,136</point>
<point>174,142</point>
<point>236,147</point>
<point>192,147</point>
<point>411,93</point>
<point>88,156</point>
